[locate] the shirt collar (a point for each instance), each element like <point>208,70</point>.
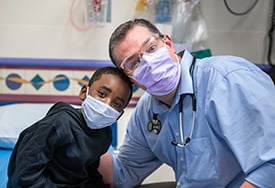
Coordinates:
<point>185,83</point>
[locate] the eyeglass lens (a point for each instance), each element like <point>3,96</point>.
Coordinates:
<point>149,46</point>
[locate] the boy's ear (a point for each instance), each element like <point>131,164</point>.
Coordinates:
<point>83,93</point>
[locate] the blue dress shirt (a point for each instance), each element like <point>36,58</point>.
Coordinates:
<point>234,135</point>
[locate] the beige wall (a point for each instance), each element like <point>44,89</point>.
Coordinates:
<point>39,28</point>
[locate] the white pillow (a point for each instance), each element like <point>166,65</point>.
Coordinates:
<point>15,118</point>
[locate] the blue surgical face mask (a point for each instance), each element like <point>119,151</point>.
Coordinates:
<point>158,72</point>
<point>98,114</point>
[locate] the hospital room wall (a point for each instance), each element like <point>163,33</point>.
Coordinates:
<point>36,28</point>
<point>42,29</point>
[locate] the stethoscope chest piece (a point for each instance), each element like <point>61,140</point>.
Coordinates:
<point>154,124</point>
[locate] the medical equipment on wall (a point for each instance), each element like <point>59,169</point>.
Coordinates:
<point>239,13</point>
<point>96,12</point>
<point>189,27</point>
<point>155,124</point>
<point>157,11</point>
<point>86,14</point>
<point>270,67</point>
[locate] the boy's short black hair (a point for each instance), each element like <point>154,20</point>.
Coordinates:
<point>115,71</point>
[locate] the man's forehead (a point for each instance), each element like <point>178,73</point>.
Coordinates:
<point>132,42</point>
<point>140,33</point>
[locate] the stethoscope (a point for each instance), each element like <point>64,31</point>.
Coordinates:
<point>155,124</point>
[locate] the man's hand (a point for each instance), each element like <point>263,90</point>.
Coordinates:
<point>246,184</point>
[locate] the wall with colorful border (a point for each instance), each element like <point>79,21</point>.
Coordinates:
<point>47,80</point>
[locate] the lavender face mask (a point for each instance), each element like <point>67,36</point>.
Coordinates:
<point>158,72</point>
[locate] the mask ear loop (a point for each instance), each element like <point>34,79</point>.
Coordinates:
<point>121,113</point>
<point>87,91</point>
<point>177,57</point>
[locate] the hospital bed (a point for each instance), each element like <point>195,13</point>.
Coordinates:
<point>4,158</point>
<point>14,117</point>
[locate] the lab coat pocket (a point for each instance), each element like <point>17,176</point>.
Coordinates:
<point>200,160</point>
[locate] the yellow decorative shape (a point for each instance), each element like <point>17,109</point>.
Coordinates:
<point>141,5</point>
<point>84,82</point>
<point>19,80</point>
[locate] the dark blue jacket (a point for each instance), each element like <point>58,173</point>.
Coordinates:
<point>59,151</point>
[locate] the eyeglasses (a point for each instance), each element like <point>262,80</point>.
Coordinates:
<point>150,45</point>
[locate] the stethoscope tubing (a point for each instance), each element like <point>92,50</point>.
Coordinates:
<point>155,124</point>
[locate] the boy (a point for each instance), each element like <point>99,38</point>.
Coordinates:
<point>63,148</point>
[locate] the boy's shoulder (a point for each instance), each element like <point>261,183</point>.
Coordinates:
<point>62,107</point>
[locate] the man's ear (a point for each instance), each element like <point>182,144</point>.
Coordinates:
<point>83,93</point>
<point>169,42</point>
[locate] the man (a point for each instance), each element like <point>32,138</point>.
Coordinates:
<point>211,119</point>
<point>63,149</point>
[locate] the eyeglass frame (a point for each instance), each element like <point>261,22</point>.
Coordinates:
<point>139,54</point>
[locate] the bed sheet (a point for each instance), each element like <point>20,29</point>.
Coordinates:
<point>4,161</point>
